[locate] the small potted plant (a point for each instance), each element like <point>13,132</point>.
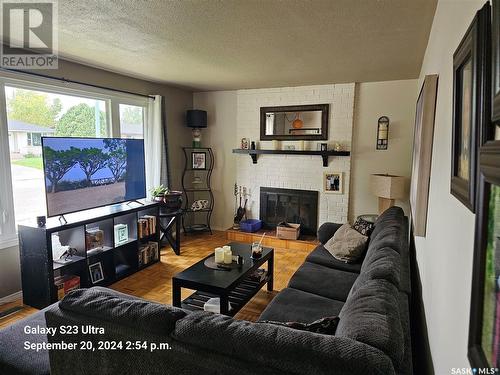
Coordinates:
<point>171,198</point>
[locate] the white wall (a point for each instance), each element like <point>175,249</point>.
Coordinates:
<point>221,136</point>
<point>445,255</point>
<point>395,99</point>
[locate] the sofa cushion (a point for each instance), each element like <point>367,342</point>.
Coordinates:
<point>326,231</point>
<point>281,348</point>
<point>14,358</point>
<point>371,315</point>
<point>347,244</point>
<point>323,281</point>
<point>392,217</point>
<point>384,263</point>
<point>390,236</point>
<point>321,256</point>
<point>109,305</point>
<point>299,306</point>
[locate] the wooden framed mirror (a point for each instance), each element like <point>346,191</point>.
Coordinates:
<point>296,122</point>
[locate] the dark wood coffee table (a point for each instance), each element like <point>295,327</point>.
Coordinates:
<point>234,286</point>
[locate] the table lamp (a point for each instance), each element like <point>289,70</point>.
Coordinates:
<point>196,119</point>
<point>388,188</point>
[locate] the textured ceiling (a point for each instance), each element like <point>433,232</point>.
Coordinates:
<point>232,44</point>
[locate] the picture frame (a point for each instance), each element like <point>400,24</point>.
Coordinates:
<point>333,182</point>
<point>199,160</point>
<point>245,143</point>
<point>96,273</point>
<point>422,153</point>
<point>484,323</point>
<point>471,106</point>
<point>495,37</point>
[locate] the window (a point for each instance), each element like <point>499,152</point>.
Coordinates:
<point>131,121</point>
<point>31,111</point>
<point>34,139</point>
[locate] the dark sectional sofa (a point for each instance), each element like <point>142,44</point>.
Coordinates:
<point>370,297</point>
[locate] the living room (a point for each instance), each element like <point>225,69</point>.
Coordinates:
<point>250,187</point>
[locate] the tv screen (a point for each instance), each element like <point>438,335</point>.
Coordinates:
<point>84,173</point>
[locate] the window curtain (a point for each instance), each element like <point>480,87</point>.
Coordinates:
<point>153,138</point>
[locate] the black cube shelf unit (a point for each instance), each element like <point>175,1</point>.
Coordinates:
<point>118,260</point>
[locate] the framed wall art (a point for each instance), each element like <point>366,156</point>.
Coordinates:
<point>471,68</point>
<point>333,182</point>
<point>495,36</point>
<point>484,324</point>
<point>422,154</point>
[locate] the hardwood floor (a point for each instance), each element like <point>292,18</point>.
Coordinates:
<point>155,282</point>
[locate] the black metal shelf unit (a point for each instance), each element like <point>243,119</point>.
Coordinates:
<point>39,267</point>
<point>196,186</point>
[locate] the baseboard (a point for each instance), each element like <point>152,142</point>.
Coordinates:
<point>11,297</point>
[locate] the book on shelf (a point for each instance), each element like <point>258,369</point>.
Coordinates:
<point>65,284</point>
<point>146,226</point>
<point>148,253</point>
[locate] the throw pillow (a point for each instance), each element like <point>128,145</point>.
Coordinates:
<point>326,326</point>
<point>347,244</point>
<point>364,227</point>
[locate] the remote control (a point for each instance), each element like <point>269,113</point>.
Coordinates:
<point>225,268</point>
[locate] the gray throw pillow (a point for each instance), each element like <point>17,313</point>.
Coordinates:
<point>347,244</point>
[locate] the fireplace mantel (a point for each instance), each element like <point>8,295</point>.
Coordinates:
<point>324,154</point>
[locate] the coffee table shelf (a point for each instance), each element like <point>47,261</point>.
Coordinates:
<point>234,288</point>
<point>238,297</point>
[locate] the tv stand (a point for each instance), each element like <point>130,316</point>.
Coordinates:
<point>92,237</point>
<point>134,201</point>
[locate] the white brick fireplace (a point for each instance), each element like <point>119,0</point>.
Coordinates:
<point>291,171</point>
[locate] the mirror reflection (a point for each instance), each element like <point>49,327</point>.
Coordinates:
<point>294,122</point>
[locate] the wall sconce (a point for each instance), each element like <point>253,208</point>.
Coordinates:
<point>383,133</point>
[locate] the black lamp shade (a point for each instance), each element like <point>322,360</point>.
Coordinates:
<point>196,118</point>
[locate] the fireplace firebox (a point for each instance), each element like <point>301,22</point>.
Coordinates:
<point>290,205</point>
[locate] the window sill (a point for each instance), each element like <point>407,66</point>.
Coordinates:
<point>5,244</point>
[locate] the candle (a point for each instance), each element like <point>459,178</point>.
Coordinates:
<point>219,255</point>
<point>228,255</point>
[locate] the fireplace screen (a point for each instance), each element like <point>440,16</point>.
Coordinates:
<point>290,205</point>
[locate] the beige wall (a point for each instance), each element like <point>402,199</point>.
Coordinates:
<point>395,99</point>
<point>221,136</point>
<point>177,101</point>
<point>445,255</point>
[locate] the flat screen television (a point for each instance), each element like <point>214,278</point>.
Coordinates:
<point>85,173</point>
